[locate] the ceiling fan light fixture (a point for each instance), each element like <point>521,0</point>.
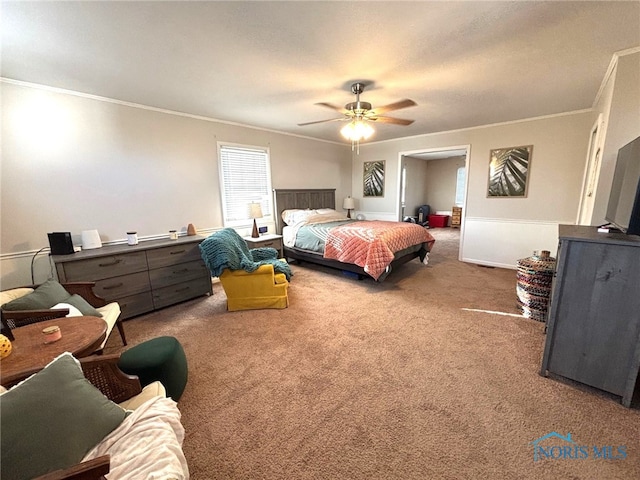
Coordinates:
<point>360,114</point>
<point>356,130</point>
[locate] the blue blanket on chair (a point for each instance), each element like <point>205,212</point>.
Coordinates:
<point>227,249</point>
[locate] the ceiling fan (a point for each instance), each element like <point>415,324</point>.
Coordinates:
<point>362,110</point>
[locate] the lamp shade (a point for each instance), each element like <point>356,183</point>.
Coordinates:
<point>349,204</point>
<point>255,210</point>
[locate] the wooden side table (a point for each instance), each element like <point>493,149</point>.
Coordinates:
<point>29,354</point>
<point>269,240</point>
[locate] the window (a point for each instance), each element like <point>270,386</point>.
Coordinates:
<point>461,178</point>
<point>245,177</point>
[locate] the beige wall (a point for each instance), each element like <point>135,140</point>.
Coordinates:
<point>441,183</point>
<point>72,163</point>
<point>416,187</point>
<point>559,152</point>
<point>493,226</point>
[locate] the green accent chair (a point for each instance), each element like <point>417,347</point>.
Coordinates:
<point>159,359</point>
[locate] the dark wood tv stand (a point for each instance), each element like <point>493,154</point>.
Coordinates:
<point>593,330</point>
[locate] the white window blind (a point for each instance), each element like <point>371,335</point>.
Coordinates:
<point>245,178</point>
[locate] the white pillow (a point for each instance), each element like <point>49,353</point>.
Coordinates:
<point>327,217</point>
<point>324,211</point>
<point>287,216</point>
<point>73,311</point>
<point>293,216</point>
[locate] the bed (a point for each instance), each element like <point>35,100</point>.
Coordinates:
<point>313,231</point>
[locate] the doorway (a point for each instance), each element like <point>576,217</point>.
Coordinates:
<point>436,177</point>
<point>591,173</point>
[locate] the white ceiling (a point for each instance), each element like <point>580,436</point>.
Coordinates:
<point>266,64</point>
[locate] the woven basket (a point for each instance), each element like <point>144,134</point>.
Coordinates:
<point>534,281</point>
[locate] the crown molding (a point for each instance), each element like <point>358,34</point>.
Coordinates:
<point>489,125</point>
<point>99,98</point>
<point>611,69</point>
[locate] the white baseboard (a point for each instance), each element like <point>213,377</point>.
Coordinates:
<point>485,263</point>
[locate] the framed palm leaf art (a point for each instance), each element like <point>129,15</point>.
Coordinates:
<point>509,171</point>
<point>373,185</point>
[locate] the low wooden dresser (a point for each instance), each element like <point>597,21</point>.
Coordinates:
<point>141,278</point>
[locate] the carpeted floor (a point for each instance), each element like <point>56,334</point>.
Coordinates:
<point>358,380</point>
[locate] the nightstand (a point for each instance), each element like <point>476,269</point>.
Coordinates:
<point>268,240</point>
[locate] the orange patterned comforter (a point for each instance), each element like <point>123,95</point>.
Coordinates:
<point>372,244</point>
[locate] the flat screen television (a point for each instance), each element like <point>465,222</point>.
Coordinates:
<point>623,210</point>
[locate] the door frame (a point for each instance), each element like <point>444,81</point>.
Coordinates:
<point>409,153</point>
<point>593,164</point>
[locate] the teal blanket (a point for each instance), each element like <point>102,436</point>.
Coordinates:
<point>227,249</point>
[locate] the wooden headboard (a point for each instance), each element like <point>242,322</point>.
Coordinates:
<point>286,199</point>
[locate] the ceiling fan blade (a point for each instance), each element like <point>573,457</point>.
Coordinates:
<point>395,121</point>
<point>320,121</point>
<point>393,106</point>
<point>342,110</point>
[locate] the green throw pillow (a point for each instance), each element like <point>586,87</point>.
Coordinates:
<point>82,305</point>
<point>52,420</point>
<point>43,297</point>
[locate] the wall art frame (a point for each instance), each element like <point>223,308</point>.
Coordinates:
<point>509,170</point>
<point>373,179</point>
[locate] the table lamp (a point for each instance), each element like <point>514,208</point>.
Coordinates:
<point>348,205</point>
<point>255,211</point>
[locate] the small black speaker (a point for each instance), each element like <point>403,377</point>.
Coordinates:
<point>60,243</point>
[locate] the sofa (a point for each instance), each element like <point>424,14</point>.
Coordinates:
<point>21,306</point>
<point>87,419</point>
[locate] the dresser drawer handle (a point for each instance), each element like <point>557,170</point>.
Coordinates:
<point>184,270</point>
<point>184,289</point>
<point>115,262</point>
<point>268,244</point>
<point>177,252</point>
<point>111,287</point>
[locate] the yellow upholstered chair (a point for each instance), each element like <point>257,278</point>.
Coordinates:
<point>251,279</point>
<point>262,288</point>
